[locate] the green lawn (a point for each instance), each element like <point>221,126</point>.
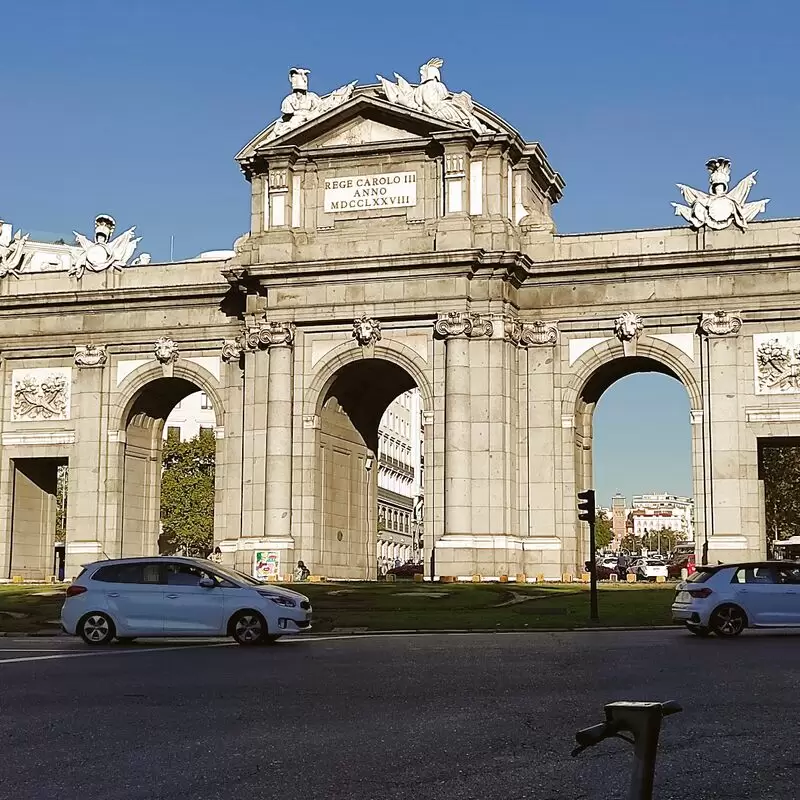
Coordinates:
<point>413,606</point>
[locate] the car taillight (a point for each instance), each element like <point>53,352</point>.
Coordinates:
<point>704,592</point>
<point>74,591</point>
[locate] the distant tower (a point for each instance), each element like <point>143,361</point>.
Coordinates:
<point>618,517</point>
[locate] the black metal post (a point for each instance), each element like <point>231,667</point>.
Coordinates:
<point>593,612</point>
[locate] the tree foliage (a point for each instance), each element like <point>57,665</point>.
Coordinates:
<point>603,532</point>
<point>780,468</point>
<point>631,543</point>
<point>61,503</point>
<point>663,541</point>
<point>187,495</point>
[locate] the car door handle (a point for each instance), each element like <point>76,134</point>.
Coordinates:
<point>113,594</point>
<point>173,596</point>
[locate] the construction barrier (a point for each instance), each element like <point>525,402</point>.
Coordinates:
<point>391,578</point>
<point>586,577</point>
<point>660,579</point>
<point>540,578</point>
<point>476,578</point>
<point>522,577</point>
<point>418,577</point>
<point>566,578</point>
<point>631,577</point>
<point>613,577</point>
<point>504,579</point>
<point>447,578</point>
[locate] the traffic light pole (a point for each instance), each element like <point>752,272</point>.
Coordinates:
<point>594,614</point>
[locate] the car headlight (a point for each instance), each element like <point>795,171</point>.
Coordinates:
<point>278,599</point>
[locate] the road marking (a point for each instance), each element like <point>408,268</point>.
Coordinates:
<point>119,652</point>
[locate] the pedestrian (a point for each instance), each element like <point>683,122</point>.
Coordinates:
<point>622,566</point>
<point>301,572</point>
<point>215,555</point>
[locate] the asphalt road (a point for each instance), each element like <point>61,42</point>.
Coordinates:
<point>460,716</point>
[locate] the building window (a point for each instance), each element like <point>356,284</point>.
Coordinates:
<point>205,403</point>
<point>205,430</point>
<point>174,432</point>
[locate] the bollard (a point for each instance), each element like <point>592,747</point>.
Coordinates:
<point>17,579</point>
<point>418,577</point>
<point>540,578</point>
<point>684,573</point>
<point>288,577</point>
<point>613,577</point>
<point>476,579</point>
<point>566,578</point>
<point>660,579</point>
<point>447,579</point>
<point>631,577</point>
<point>391,578</point>
<point>586,577</point>
<point>522,577</point>
<point>504,579</point>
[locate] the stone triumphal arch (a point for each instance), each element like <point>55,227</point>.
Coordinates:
<point>400,236</point>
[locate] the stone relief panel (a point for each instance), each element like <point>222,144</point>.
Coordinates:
<point>366,330</point>
<point>777,362</point>
<point>40,394</point>
<point>720,323</point>
<point>166,350</point>
<point>91,355</point>
<point>462,323</point>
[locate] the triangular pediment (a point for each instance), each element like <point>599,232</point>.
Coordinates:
<point>362,120</point>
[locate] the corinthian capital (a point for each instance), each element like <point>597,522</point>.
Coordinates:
<point>462,323</point>
<point>270,334</point>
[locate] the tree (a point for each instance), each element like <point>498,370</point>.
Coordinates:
<point>780,468</point>
<point>663,541</point>
<point>603,532</point>
<point>61,503</point>
<point>631,543</point>
<point>187,495</point>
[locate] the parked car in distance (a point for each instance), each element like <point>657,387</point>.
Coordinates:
<point>728,598</point>
<point>147,597</point>
<point>648,569</point>
<point>407,570</point>
<point>676,566</point>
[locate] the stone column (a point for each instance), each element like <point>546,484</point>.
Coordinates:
<point>457,416</point>
<point>228,473</point>
<point>86,529</point>
<point>279,435</point>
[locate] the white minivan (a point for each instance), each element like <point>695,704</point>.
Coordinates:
<point>170,596</point>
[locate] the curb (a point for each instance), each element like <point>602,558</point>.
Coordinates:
<point>344,632</point>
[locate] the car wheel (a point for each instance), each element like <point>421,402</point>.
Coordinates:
<point>698,630</point>
<point>248,628</point>
<point>728,620</point>
<point>96,628</point>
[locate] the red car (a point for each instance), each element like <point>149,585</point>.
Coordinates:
<point>684,562</point>
<point>407,571</point>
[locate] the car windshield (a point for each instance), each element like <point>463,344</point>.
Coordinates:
<point>235,575</point>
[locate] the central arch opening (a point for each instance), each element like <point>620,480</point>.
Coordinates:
<point>370,482</point>
<point>634,446</point>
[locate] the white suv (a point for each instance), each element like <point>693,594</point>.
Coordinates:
<point>133,597</point>
<point>728,598</point>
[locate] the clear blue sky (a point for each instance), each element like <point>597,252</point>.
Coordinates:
<point>137,108</point>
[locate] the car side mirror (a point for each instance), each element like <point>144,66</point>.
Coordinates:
<point>207,583</point>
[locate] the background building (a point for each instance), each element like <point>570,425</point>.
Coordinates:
<point>657,512</point>
<point>192,415</point>
<point>400,481</point>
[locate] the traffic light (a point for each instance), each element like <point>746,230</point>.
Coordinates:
<point>586,506</point>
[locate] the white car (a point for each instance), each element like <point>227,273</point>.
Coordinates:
<point>145,597</point>
<point>728,598</point>
<point>648,569</point>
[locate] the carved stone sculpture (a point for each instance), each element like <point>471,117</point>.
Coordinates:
<point>719,209</point>
<point>539,333</point>
<point>166,350</point>
<point>90,355</point>
<point>12,255</point>
<point>104,252</point>
<point>269,334</point>
<point>433,97</point>
<point>366,330</point>
<point>301,105</point>
<point>40,398</point>
<point>232,350</point>
<point>462,323</point>
<point>777,367</point>
<point>628,328</point>
<point>720,323</point>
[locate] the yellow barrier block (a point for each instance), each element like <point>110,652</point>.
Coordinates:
<point>586,577</point>
<point>447,579</point>
<point>288,577</point>
<point>476,578</point>
<point>631,577</point>
<point>17,579</point>
<point>504,579</point>
<point>316,579</point>
<point>660,579</point>
<point>613,577</point>
<point>391,578</point>
<point>522,577</point>
<point>540,578</point>
<point>566,578</point>
<point>418,577</point>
